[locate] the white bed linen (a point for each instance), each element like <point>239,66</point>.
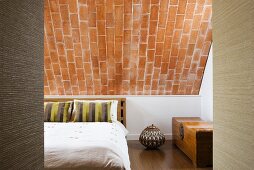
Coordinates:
<point>85,146</point>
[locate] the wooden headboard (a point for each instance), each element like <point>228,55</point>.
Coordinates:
<point>121,108</point>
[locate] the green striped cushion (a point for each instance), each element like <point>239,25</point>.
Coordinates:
<point>57,111</point>
<point>85,111</point>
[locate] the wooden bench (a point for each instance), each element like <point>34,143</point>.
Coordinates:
<point>195,138</point>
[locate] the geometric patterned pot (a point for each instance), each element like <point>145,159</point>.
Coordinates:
<point>151,137</point>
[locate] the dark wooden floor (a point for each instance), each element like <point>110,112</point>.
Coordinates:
<point>168,157</point>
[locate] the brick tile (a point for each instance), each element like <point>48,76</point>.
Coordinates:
<point>206,48</point>
<point>193,37</point>
<point>56,69</point>
<point>196,21</point>
<point>200,42</point>
<point>179,21</point>
<point>82,2</point>
<point>172,13</point>
<point>127,6</point>
<point>59,35</point>
<point>172,63</point>
<point>80,74</point>
<point>160,35</point>
<point>151,42</point>
<point>181,6</point>
<point>119,12</point>
<point>127,36</point>
<point>93,35</point>
<point>77,50</point>
<point>143,36</point>
<point>70,55</point>
<point>153,27</point>
<point>164,68</point>
<point>100,12</point>
<point>154,12</point>
<point>92,19</point>
<point>85,42</point>
<point>127,22</point>
<point>63,61</point>
<point>196,56</point>
<point>189,11</point>
<point>190,49</point>
<point>157,61</point>
<point>176,36</point>
<point>75,35</point>
<point>102,42</point>
<point>78,62</point>
<point>187,26</point>
<point>175,49</point>
<point>162,20</point>
<point>73,6</point>
<point>145,6</point>
<point>170,28</point>
<point>136,12</point>
<point>64,12</point>
<point>159,49</point>
<point>66,28</point>
<point>74,21</point>
<point>207,13</point>
<point>187,62</point>
<point>156,73</point>
<point>83,12</point>
<point>53,5</point>
<point>56,20</point>
<point>150,55</point>
<point>203,60</point>
<point>168,42</point>
<point>164,5</point>
<point>142,49</point>
<point>101,27</point>
<point>109,20</point>
<point>63,1</point>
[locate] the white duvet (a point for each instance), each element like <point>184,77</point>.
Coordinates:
<point>85,146</point>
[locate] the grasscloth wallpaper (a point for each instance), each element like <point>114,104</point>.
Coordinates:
<point>132,47</point>
<point>233,84</point>
<point>21,96</point>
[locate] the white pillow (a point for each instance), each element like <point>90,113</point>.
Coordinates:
<point>113,109</point>
<point>122,127</point>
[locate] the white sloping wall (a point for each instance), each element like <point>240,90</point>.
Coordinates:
<point>143,111</point>
<point>206,91</point>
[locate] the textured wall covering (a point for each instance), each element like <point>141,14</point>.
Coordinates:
<point>125,46</point>
<point>233,28</point>
<point>21,72</point>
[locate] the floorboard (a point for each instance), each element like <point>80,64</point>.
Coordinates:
<point>168,157</point>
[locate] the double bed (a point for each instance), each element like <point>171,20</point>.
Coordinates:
<point>87,145</point>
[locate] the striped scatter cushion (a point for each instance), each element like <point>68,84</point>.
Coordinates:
<point>95,111</point>
<point>57,111</point>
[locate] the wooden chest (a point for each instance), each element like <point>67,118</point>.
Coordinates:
<point>195,138</point>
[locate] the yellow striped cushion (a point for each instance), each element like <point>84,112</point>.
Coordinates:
<point>95,111</point>
<point>57,111</point>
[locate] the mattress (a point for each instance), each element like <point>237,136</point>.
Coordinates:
<point>97,145</point>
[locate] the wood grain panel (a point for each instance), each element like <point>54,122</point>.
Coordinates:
<point>233,84</point>
<point>21,86</point>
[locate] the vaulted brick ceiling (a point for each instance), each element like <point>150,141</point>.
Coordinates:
<point>132,47</point>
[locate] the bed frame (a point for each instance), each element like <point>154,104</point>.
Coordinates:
<point>121,109</point>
